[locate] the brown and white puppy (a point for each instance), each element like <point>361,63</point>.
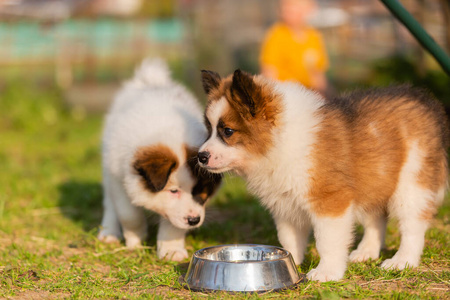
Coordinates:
<point>324,164</point>
<point>150,142</point>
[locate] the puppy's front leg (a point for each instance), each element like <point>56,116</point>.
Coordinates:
<point>293,237</point>
<point>333,238</point>
<point>131,218</point>
<point>170,241</point>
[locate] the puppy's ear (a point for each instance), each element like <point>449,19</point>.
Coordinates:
<point>210,80</point>
<point>245,94</point>
<point>207,183</point>
<point>155,164</point>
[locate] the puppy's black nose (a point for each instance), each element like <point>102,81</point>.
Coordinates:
<point>193,220</point>
<point>203,157</point>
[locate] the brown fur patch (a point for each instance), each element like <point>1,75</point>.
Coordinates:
<point>254,135</point>
<point>331,190</point>
<point>218,92</point>
<point>155,164</point>
<point>362,145</point>
<point>429,212</point>
<point>253,98</point>
<point>207,183</point>
<point>253,113</point>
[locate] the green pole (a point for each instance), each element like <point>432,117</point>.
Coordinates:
<point>419,33</point>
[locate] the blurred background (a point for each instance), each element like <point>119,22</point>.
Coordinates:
<point>85,48</point>
<point>61,61</point>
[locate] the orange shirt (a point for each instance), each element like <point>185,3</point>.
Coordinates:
<point>293,57</point>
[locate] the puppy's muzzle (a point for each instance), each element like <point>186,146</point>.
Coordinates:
<point>203,157</point>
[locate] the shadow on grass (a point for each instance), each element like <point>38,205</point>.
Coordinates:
<point>181,268</point>
<point>387,253</point>
<point>246,223</point>
<point>81,201</point>
<point>240,219</point>
<point>234,217</point>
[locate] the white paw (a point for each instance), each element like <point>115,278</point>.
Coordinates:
<point>174,254</point>
<point>132,242</point>
<point>399,263</point>
<point>108,238</point>
<point>363,255</point>
<point>318,275</point>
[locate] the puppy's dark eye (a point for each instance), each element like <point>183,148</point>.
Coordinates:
<point>228,132</point>
<point>174,191</point>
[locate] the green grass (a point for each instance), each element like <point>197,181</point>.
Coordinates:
<point>50,209</point>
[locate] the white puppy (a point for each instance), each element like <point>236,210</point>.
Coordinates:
<point>151,136</point>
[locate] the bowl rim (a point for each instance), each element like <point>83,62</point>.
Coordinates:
<point>286,254</point>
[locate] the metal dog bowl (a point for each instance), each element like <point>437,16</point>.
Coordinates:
<point>242,268</point>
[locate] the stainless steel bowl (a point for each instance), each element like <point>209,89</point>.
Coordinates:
<point>241,268</point>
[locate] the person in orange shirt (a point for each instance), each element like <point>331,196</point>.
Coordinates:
<point>294,51</point>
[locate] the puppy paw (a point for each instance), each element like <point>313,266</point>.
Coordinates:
<point>108,238</point>
<point>322,276</point>
<point>173,254</point>
<point>363,255</point>
<point>399,263</point>
<point>132,242</point>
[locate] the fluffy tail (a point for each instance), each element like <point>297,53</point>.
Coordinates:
<point>152,72</point>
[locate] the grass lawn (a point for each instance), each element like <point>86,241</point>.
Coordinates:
<point>50,209</point>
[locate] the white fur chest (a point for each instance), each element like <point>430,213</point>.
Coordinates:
<point>282,188</point>
<point>281,179</point>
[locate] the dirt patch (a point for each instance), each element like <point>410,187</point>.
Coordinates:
<point>36,295</point>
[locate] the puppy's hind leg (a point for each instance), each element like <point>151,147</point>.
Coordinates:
<point>373,238</point>
<point>131,218</point>
<point>110,228</point>
<point>412,226</point>
<point>419,191</point>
